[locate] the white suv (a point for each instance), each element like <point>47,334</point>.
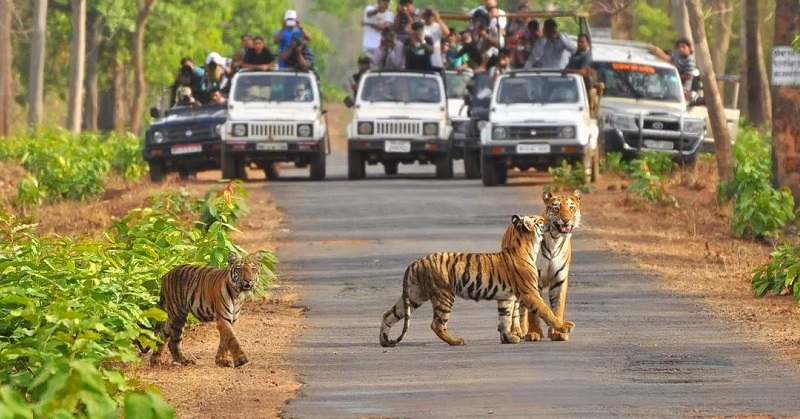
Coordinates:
<point>274,116</point>
<point>400,117</point>
<point>538,118</point>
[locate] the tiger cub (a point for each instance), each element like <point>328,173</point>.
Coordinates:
<point>210,294</point>
<point>505,276</point>
<point>563,214</point>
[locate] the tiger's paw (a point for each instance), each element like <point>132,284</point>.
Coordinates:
<point>154,360</point>
<point>223,362</point>
<point>533,337</point>
<point>458,342</point>
<point>511,338</point>
<point>566,327</point>
<point>185,361</point>
<point>558,336</point>
<point>241,360</point>
<point>517,331</point>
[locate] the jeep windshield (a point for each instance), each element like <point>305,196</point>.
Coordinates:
<point>639,81</point>
<point>537,88</point>
<point>403,88</point>
<point>456,84</point>
<point>266,87</point>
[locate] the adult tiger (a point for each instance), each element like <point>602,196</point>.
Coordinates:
<point>507,276</point>
<point>563,213</point>
<point>210,294</point>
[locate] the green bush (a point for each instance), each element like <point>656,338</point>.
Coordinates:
<point>72,308</point>
<point>760,210</point>
<point>613,162</point>
<point>648,186</point>
<point>780,273</point>
<point>567,177</point>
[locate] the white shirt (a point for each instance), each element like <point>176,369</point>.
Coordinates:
<point>435,32</point>
<point>499,23</point>
<point>372,36</point>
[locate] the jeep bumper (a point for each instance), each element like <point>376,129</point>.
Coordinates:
<point>636,142</point>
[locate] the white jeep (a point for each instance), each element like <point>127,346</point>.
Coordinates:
<point>400,117</point>
<point>537,118</point>
<point>274,116</point>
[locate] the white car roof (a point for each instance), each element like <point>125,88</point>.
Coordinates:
<point>625,52</point>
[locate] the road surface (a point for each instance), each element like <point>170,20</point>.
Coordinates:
<point>637,350</point>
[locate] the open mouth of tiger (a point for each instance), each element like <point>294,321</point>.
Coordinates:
<point>564,228</point>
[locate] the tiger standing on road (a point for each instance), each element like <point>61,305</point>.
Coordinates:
<point>507,276</point>
<point>563,214</point>
<point>210,294</point>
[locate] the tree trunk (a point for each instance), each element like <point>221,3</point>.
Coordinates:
<point>681,17</point>
<point>786,105</point>
<point>716,110</point>
<point>759,100</point>
<point>6,59</point>
<point>36,76</point>
<point>615,16</point>
<point>143,9</point>
<point>77,64</point>
<point>723,30</point>
<point>744,108</point>
<point>94,23</point>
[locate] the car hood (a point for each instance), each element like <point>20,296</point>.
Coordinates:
<point>399,110</point>
<point>456,109</point>
<point>633,106</point>
<point>539,114</point>
<point>257,112</point>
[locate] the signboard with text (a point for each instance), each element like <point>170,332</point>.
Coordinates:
<point>785,67</point>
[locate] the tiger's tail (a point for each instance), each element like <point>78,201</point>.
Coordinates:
<point>386,325</point>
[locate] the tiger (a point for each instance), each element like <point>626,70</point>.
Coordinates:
<point>563,214</point>
<point>210,294</point>
<point>506,277</point>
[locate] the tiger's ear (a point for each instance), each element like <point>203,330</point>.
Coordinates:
<point>232,258</point>
<point>546,195</point>
<point>519,223</point>
<point>257,257</point>
<point>515,219</point>
<point>577,194</point>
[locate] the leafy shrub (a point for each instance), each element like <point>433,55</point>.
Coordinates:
<point>73,307</point>
<point>782,272</point>
<point>760,209</point>
<point>614,163</point>
<point>567,177</point>
<point>648,187</point>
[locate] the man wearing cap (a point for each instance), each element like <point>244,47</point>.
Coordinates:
<point>389,56</point>
<point>218,71</point>
<point>291,26</point>
<point>363,66</point>
<point>377,17</point>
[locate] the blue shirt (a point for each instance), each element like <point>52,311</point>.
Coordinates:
<point>286,40</point>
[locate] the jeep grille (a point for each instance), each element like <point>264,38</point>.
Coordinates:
<point>662,124</point>
<point>394,128</point>
<point>272,130</point>
<point>526,133</point>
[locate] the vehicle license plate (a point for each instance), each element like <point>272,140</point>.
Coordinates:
<point>533,148</point>
<point>397,147</point>
<point>272,146</point>
<point>187,148</point>
<point>661,145</point>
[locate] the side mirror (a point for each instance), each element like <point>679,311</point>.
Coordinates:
<point>468,100</point>
<point>349,102</point>
<point>155,113</point>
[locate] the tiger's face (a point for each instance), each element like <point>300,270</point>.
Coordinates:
<point>532,224</point>
<point>563,212</point>
<point>244,272</point>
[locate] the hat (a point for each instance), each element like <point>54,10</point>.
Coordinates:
<point>184,91</point>
<point>216,58</point>
<point>290,18</point>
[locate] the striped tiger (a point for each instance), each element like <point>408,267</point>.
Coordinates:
<point>210,294</point>
<point>563,213</point>
<point>505,276</point>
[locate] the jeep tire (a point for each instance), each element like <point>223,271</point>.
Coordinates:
<point>356,166</point>
<point>390,167</point>
<point>472,163</point>
<point>493,172</point>
<point>317,169</point>
<point>444,166</point>
<point>157,171</point>
<point>232,167</point>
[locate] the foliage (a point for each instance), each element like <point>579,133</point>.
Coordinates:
<point>567,177</point>
<point>613,162</point>
<point>649,176</point>
<point>760,209</point>
<point>782,272</point>
<point>72,308</point>
<point>67,166</point>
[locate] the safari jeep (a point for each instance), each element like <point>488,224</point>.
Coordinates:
<point>274,116</point>
<point>537,118</point>
<point>400,117</point>
<point>465,145</point>
<point>643,106</point>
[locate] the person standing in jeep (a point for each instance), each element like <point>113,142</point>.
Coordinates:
<point>419,48</point>
<point>259,57</point>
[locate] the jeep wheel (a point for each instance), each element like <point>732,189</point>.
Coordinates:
<point>232,167</point>
<point>688,162</point>
<point>390,167</point>
<point>472,164</point>
<point>157,171</point>
<point>271,171</point>
<point>317,169</point>
<point>187,174</point>
<point>493,172</point>
<point>444,166</point>
<point>356,166</point>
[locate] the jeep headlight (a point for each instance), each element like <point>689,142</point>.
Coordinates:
<point>481,125</point>
<point>622,122</point>
<point>430,129</point>
<point>158,137</point>
<point>499,133</point>
<point>566,132</point>
<point>365,128</point>
<point>304,130</point>
<point>240,130</point>
<point>218,129</point>
<point>694,126</point>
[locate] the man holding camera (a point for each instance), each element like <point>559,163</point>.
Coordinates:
<point>298,56</point>
<point>284,37</point>
<point>389,56</point>
<point>418,48</point>
<point>377,17</point>
<point>406,13</point>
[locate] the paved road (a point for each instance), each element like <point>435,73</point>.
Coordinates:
<point>636,351</point>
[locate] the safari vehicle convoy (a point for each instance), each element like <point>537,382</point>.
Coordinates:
<point>538,118</point>
<point>274,116</point>
<point>400,117</point>
<point>184,139</point>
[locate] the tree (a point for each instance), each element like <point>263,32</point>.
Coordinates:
<point>786,105</point>
<point>94,25</point>
<point>759,105</point>
<point>143,9</point>
<point>6,59</point>
<point>716,109</point>
<point>77,65</point>
<point>614,14</point>
<point>36,76</point>
<point>723,30</point>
